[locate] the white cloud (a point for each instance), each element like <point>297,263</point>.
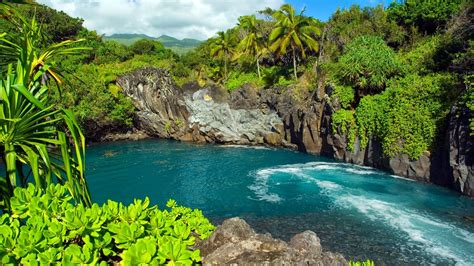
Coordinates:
<point>199,19</point>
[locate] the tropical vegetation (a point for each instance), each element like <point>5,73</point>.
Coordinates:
<point>30,123</point>
<point>391,74</point>
<point>47,213</point>
<point>44,227</point>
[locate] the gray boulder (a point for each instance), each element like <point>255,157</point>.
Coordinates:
<point>235,243</point>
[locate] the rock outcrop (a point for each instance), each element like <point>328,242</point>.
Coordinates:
<point>201,115</point>
<point>234,242</point>
<point>162,111</point>
<point>223,124</point>
<point>286,117</point>
<point>453,163</point>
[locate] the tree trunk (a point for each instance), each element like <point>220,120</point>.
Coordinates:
<point>225,66</point>
<point>258,69</point>
<point>294,64</point>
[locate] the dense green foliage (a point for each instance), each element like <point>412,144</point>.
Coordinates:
<point>360,52</point>
<point>406,115</point>
<point>367,64</point>
<point>31,125</point>
<point>362,263</point>
<point>237,80</point>
<point>426,15</point>
<point>470,99</point>
<point>45,228</point>
<point>343,121</point>
<point>403,94</point>
<point>347,24</point>
<point>344,94</point>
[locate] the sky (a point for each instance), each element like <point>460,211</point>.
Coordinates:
<point>198,19</point>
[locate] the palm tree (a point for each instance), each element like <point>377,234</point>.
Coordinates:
<point>296,32</point>
<point>253,43</point>
<point>34,134</point>
<point>222,48</point>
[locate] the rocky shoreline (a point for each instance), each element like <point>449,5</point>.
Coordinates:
<point>285,117</point>
<point>236,243</point>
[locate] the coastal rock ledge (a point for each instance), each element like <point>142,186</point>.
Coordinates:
<point>291,118</point>
<point>236,243</point>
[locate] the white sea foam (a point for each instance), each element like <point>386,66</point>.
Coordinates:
<point>403,178</point>
<point>328,185</point>
<point>436,237</point>
<point>425,230</point>
<point>360,171</point>
<point>261,189</point>
<point>245,147</point>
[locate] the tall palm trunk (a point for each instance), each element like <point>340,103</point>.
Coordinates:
<point>294,64</point>
<point>225,65</point>
<point>258,68</point>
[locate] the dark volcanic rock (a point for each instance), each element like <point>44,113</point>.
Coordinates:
<point>234,242</point>
<point>161,109</point>
<point>461,151</point>
<point>453,164</point>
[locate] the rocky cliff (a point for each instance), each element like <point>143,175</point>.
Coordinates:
<point>290,118</point>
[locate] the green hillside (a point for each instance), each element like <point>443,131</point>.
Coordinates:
<point>178,46</point>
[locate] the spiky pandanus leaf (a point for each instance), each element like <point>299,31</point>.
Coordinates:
<point>38,142</point>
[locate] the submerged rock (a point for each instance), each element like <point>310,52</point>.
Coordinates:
<point>235,242</point>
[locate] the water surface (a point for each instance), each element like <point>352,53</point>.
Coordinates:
<point>357,211</point>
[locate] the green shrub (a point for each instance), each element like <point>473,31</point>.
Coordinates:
<point>147,47</point>
<point>362,263</point>
<point>469,82</point>
<point>343,122</point>
<point>406,116</point>
<point>349,23</point>
<point>421,57</point>
<point>237,80</point>
<point>369,116</point>
<point>427,15</point>
<point>368,63</point>
<point>344,95</point>
<point>277,76</point>
<point>45,228</point>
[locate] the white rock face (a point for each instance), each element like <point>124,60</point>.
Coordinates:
<point>227,124</point>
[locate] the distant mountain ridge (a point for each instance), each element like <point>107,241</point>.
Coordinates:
<point>177,45</point>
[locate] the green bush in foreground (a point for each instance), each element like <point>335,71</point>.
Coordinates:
<point>362,263</point>
<point>44,227</point>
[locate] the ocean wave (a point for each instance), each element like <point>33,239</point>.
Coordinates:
<point>402,178</point>
<point>261,188</point>
<point>245,147</point>
<point>425,230</point>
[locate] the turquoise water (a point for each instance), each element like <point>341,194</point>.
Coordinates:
<point>357,211</point>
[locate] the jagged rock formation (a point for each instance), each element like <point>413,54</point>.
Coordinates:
<point>234,242</point>
<point>223,124</point>
<point>289,118</point>
<point>201,115</point>
<point>461,151</point>
<point>160,104</point>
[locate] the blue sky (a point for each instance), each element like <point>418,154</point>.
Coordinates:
<point>199,19</point>
<point>322,9</point>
